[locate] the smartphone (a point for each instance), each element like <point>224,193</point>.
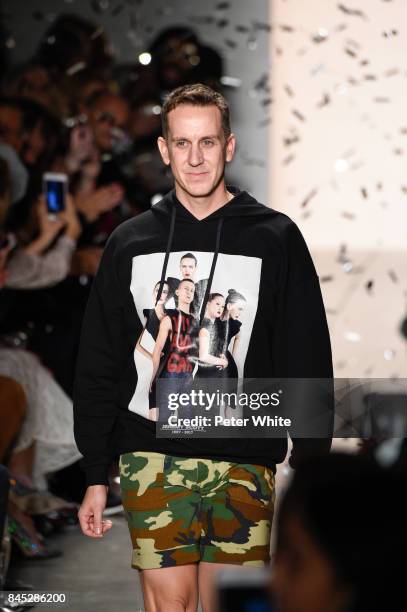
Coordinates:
<point>241,591</point>
<point>55,188</point>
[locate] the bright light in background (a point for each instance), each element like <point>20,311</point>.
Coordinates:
<point>144,58</point>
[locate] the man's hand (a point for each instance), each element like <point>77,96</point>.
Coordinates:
<point>91,510</point>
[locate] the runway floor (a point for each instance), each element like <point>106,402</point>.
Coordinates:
<point>95,574</point>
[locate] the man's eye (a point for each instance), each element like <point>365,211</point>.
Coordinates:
<point>207,142</point>
<point>181,143</point>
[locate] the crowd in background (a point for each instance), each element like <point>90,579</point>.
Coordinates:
<point>71,109</point>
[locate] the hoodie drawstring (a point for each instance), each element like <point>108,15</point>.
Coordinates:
<point>212,272</point>
<point>213,266</point>
<point>167,253</point>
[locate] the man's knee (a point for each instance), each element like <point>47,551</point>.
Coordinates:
<point>169,590</point>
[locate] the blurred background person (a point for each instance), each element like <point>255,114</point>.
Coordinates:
<point>341,537</point>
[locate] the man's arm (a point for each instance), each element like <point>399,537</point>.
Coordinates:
<point>301,342</point>
<point>98,371</point>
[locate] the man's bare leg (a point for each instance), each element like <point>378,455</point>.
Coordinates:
<point>170,589</point>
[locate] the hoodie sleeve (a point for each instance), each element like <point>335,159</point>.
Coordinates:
<point>302,343</point>
<point>98,371</point>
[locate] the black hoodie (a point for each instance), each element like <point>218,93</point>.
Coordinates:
<point>242,247</point>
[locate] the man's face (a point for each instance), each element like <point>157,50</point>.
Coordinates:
<point>196,149</point>
<point>188,267</point>
<point>185,292</point>
<point>109,112</point>
<point>11,127</point>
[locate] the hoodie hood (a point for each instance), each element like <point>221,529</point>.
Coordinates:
<point>242,205</point>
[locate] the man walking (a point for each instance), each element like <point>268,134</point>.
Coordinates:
<point>195,505</point>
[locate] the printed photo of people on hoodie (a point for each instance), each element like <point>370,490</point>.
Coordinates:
<point>191,331</point>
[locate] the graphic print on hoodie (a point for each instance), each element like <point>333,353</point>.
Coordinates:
<point>235,287</point>
<point>278,326</point>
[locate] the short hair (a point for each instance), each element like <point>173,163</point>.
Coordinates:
<point>189,256</point>
<point>196,94</point>
<point>185,280</point>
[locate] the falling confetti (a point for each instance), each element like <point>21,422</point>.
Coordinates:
<point>352,336</point>
<point>299,115</point>
<point>369,286</point>
<point>287,160</point>
<point>353,12</point>
<point>309,197</point>
<point>390,33</point>
<point>242,29</point>
<point>286,28</point>
<point>320,36</point>
<point>325,101</point>
<point>350,52</point>
<point>290,140</point>
<point>391,72</point>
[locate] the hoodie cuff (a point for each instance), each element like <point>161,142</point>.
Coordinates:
<point>97,475</point>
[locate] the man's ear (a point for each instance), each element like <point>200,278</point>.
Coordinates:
<point>163,148</point>
<point>230,147</point>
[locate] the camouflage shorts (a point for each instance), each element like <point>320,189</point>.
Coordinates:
<point>182,510</point>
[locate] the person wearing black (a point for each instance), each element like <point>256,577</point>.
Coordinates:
<point>153,316</point>
<point>211,362</point>
<point>176,329</point>
<point>229,325</point>
<point>248,243</point>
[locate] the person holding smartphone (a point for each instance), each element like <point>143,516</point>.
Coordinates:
<point>46,260</point>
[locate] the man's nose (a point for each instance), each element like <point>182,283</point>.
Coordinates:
<point>195,155</point>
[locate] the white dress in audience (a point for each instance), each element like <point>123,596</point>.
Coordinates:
<point>49,417</point>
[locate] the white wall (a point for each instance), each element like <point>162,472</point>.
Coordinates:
<point>351,156</point>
